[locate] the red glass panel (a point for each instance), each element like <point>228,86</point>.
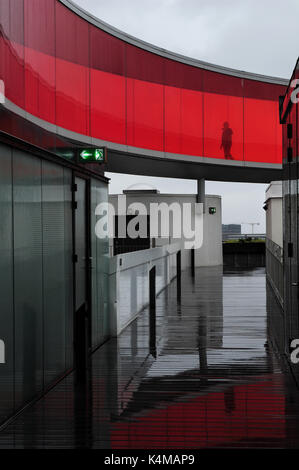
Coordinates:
<point>107,53</point>
<point>4,18</point>
<point>192,122</point>
<point>72,97</point>
<point>143,65</point>
<point>72,72</point>
<point>172,119</point>
<point>108,106</point>
<point>284,142</point>
<point>183,76</point>
<point>262,138</point>
<point>145,114</point>
<point>4,41</point>
<point>40,85</point>
<point>278,143</point>
<point>223,126</point>
<point>16,33</point>
<point>39,58</point>
<point>72,36</point>
<point>222,84</point>
<point>292,119</point>
<point>261,90</point>
<point>39,25</point>
<point>4,33</point>
<point>13,75</point>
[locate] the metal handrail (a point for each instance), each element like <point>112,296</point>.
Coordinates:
<point>238,236</point>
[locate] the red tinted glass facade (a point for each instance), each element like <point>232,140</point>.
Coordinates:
<point>66,71</point>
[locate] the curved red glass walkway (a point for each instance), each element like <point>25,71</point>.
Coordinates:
<point>214,383</point>
<point>80,79</point>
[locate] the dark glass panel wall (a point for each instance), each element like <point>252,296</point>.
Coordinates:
<point>57,279</point>
<point>72,75</point>
<point>28,276</point>
<point>36,282</point>
<point>289,116</point>
<point>100,270</point>
<point>6,283</point>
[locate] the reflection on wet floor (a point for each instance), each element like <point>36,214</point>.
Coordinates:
<point>213,381</point>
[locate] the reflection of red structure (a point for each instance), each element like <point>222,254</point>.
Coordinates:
<point>68,72</point>
<point>255,415</point>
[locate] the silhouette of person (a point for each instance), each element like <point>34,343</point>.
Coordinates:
<point>226,142</point>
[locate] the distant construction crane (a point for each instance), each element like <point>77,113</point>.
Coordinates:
<point>252,225</point>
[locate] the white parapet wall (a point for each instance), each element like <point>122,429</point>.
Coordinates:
<point>274,217</point>
<point>210,253</point>
<point>274,238</point>
<point>129,281</point>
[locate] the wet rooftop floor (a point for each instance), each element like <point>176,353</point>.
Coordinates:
<point>213,381</point>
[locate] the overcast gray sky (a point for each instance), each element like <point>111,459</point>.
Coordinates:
<point>254,35</point>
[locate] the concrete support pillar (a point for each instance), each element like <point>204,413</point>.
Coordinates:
<point>201,192</point>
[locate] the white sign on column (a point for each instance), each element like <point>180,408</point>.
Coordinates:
<point>2,92</point>
<point>2,352</point>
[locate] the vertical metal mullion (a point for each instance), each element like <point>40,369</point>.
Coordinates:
<point>43,290</point>
<point>13,275</point>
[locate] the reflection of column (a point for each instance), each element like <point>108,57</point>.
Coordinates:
<point>192,254</point>
<point>179,277</point>
<point>81,345</point>
<point>29,353</point>
<point>134,292</point>
<point>166,272</point>
<point>152,311</point>
<point>275,327</point>
<point>202,343</point>
<point>134,343</point>
<point>111,364</point>
<point>29,372</point>
<point>83,415</point>
<point>106,392</point>
<point>291,408</point>
<point>216,325</point>
<point>210,320</point>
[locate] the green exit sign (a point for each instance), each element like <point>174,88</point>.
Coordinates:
<point>212,210</point>
<point>91,155</point>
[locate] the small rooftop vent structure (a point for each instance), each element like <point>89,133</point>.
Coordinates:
<point>143,188</point>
